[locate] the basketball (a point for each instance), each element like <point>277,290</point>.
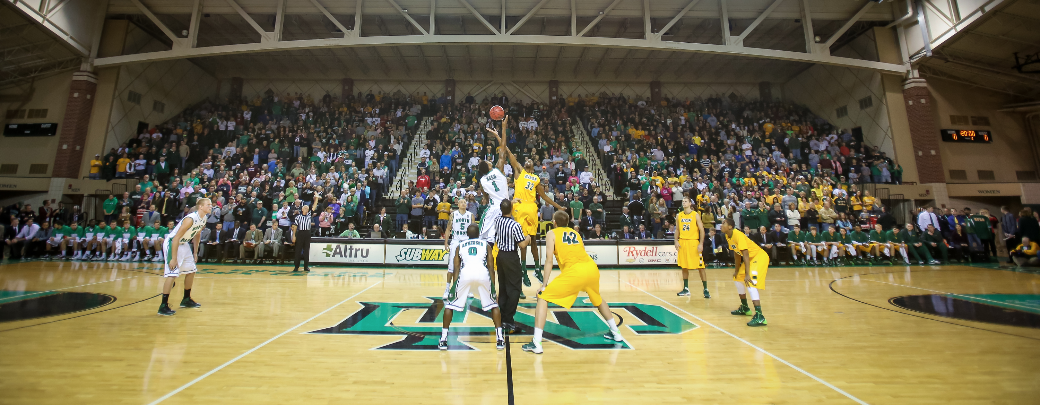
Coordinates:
<point>497,113</point>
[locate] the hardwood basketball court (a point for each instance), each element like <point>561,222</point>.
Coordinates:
<point>359,335</point>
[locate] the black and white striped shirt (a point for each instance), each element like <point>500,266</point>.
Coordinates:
<point>303,222</point>
<point>507,234</point>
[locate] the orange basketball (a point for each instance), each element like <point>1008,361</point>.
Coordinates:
<point>497,113</point>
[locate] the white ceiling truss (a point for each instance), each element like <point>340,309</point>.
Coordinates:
<point>424,32</point>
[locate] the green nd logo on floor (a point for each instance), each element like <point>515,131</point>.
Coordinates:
<point>578,328</point>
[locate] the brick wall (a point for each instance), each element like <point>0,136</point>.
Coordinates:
<point>924,132</point>
<point>73,131</point>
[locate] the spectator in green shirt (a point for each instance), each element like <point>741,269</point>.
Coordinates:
<point>350,232</point>
<point>597,210</point>
<point>402,206</point>
<point>109,206</point>
<point>576,208</point>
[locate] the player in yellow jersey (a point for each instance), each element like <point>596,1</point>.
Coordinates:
<point>689,244</point>
<point>752,263</point>
<point>577,273</point>
<point>527,187</point>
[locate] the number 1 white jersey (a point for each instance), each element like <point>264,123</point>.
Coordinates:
<point>459,223</point>
<point>495,185</point>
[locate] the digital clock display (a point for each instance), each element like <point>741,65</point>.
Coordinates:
<point>966,135</point>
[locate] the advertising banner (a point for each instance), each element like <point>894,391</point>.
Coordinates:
<point>413,253</point>
<point>644,254</point>
<point>347,253</point>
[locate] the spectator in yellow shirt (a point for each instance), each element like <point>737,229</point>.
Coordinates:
<point>121,166</point>
<point>443,211</point>
<point>95,167</point>
<point>1025,253</point>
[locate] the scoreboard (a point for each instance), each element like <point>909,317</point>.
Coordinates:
<point>966,135</point>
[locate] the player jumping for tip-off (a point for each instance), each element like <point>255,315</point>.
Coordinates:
<point>181,257</point>
<point>527,189</point>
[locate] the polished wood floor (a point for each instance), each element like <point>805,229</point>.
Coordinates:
<point>833,338</point>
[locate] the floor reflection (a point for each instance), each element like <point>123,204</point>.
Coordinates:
<point>953,307</point>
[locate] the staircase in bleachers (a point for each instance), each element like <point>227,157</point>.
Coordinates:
<point>587,149</point>
<point>407,172</point>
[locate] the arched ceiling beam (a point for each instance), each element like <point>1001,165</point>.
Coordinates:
<point>387,40</point>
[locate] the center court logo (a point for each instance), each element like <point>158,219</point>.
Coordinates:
<point>420,255</point>
<point>578,328</point>
<point>347,252</point>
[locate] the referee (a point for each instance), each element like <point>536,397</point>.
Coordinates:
<point>509,237</point>
<point>303,238</point>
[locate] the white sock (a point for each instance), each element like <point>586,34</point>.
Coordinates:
<point>537,336</point>
<point>740,286</point>
<point>498,333</point>
<point>613,325</point>
<point>753,293</point>
<point>444,333</point>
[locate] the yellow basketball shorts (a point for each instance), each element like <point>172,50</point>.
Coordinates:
<point>527,215</point>
<point>759,268</point>
<point>866,247</point>
<point>689,258</point>
<point>564,289</point>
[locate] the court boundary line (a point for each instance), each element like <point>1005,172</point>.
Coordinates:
<point>80,316</point>
<point>955,294</point>
<point>239,357</point>
<point>66,288</point>
<point>916,314</point>
<point>763,351</point>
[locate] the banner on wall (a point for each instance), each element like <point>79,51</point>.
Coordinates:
<point>347,253</point>
<point>411,253</point>
<point>639,254</point>
<point>429,253</point>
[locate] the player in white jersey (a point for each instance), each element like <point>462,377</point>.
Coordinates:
<point>496,186</point>
<point>455,234</point>
<point>181,257</point>
<point>474,267</point>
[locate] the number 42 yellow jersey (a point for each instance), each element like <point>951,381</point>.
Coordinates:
<point>570,249</point>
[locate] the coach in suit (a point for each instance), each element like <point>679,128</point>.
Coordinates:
<point>254,237</point>
<point>151,217</point>
<point>214,242</point>
<point>642,233</point>
<point>625,233</point>
<point>771,241</point>
<point>167,205</point>
<point>272,240</point>
<point>715,247</point>
<point>234,242</point>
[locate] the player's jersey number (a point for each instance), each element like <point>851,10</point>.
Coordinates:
<point>529,186</point>
<point>495,185</point>
<point>686,227</point>
<point>570,238</point>
<point>473,251</point>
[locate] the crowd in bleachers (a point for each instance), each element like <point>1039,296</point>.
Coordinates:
<point>775,168</point>
<point>783,174</point>
<point>259,160</point>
